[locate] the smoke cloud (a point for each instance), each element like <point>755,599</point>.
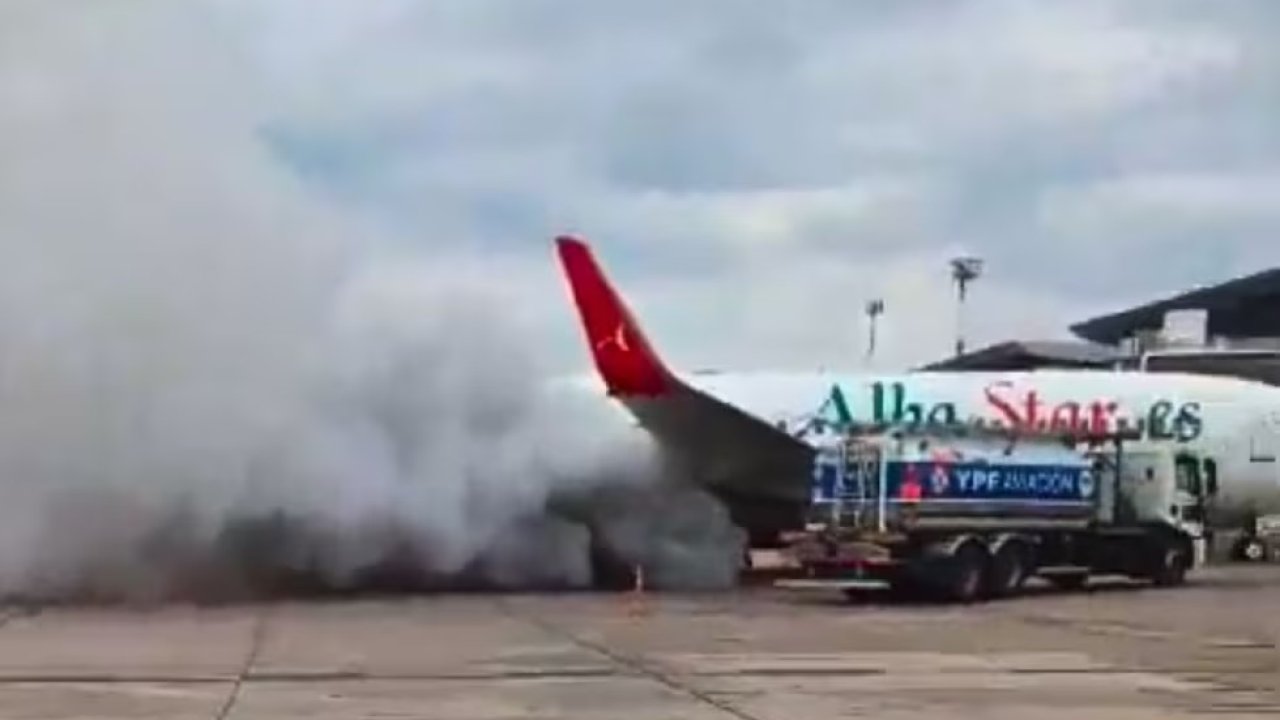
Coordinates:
<point>201,366</point>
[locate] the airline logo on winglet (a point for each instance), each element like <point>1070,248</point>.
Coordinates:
<point>617,339</point>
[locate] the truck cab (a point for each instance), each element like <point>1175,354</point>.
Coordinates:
<point>1154,484</point>
<point>1151,484</point>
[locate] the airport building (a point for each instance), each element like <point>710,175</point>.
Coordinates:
<point>1231,328</point>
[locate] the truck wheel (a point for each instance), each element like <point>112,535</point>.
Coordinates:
<point>966,573</point>
<point>1251,549</point>
<point>1169,566</point>
<point>1007,570</point>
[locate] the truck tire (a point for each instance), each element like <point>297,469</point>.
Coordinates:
<point>964,574</point>
<point>1008,569</point>
<point>1251,549</point>
<point>1169,564</point>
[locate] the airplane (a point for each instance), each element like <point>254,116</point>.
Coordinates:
<point>748,437</point>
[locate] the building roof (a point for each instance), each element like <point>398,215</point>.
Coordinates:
<point>1246,306</point>
<point>1022,355</point>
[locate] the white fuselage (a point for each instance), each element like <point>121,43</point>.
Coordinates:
<point>1235,421</point>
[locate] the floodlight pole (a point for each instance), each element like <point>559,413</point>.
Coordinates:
<point>964,270</point>
<point>875,308</point>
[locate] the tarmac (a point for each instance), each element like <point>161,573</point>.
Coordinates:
<point>1206,649</point>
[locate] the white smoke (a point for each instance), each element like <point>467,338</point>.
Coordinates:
<point>190,345</point>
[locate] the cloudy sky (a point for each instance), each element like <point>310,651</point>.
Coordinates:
<point>750,173</point>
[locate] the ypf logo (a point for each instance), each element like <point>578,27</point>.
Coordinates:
<point>939,479</point>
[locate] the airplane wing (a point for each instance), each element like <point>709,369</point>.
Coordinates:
<point>742,458</point>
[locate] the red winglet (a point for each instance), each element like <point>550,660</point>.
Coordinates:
<point>623,356</point>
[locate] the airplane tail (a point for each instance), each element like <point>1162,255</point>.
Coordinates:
<point>623,356</point>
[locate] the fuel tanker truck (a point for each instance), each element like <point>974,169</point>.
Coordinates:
<point>970,511</point>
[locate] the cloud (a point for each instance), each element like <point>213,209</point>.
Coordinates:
<point>807,312</point>
<point>718,149</point>
<point>731,155</point>
<point>1200,199</point>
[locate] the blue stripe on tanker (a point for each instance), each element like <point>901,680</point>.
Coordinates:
<point>993,481</point>
<point>961,481</point>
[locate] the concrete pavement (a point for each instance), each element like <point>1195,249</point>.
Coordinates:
<point>759,654</point>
